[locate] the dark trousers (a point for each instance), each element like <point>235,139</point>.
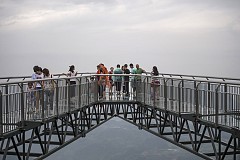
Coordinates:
<point>72,88</point>
<point>118,85</point>
<point>126,87</point>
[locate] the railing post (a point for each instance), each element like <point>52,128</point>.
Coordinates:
<point>22,106</point>
<point>209,98</point>
<point>1,114</point>
<point>196,98</point>
<point>154,92</point>
<point>183,94</point>
<point>171,94</point>
<point>225,98</point>
<point>6,107</point>
<point>57,98</point>
<point>144,90</point>
<point>88,90</point>
<point>79,92</point>
<point>197,113</point>
<point>43,104</point>
<point>165,94</point>
<point>216,107</point>
<point>68,94</point>
<point>179,97</point>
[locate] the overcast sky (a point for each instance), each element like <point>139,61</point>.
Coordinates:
<point>178,36</point>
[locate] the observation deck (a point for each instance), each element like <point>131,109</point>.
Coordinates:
<point>197,113</point>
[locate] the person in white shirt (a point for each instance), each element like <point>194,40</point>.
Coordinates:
<point>71,73</point>
<point>38,87</point>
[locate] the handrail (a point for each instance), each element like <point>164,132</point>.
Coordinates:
<point>56,75</point>
<point>182,76</point>
<point>205,77</point>
<point>67,78</point>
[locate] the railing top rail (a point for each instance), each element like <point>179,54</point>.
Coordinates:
<point>26,77</point>
<point>204,77</point>
<point>182,76</point>
<point>147,75</point>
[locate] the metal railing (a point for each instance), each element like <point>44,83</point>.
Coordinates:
<point>166,75</point>
<point>209,100</point>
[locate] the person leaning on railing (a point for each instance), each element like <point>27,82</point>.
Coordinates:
<point>118,79</point>
<point>132,79</point>
<point>126,80</point>
<point>138,78</point>
<point>48,90</point>
<point>38,86</point>
<point>103,81</point>
<point>72,73</point>
<point>111,84</point>
<point>155,84</point>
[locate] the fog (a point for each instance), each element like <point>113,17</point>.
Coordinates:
<point>184,37</point>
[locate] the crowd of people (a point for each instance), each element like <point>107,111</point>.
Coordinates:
<point>122,79</point>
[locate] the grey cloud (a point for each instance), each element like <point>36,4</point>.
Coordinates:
<point>92,1</point>
<point>141,31</point>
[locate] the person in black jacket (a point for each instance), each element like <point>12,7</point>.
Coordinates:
<point>126,79</point>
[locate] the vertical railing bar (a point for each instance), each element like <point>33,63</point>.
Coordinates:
<point>42,101</point>
<point>79,92</point>
<point>68,95</point>
<point>165,94</point>
<point>57,97</point>
<point>183,94</point>
<point>216,110</point>
<point>6,108</point>
<point>88,90</point>
<point>179,96</point>
<point>144,90</point>
<point>171,94</point>
<point>1,114</point>
<point>22,106</point>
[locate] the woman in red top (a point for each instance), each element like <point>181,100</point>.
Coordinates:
<point>103,81</point>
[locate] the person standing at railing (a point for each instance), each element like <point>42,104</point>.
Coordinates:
<point>126,80</point>
<point>102,80</point>
<point>155,84</point>
<point>38,87</point>
<point>48,90</point>
<point>132,78</point>
<point>111,84</point>
<point>118,79</point>
<point>123,84</point>
<point>72,73</point>
<point>31,98</point>
<point>138,79</point>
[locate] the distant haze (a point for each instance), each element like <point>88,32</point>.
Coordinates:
<point>185,37</point>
